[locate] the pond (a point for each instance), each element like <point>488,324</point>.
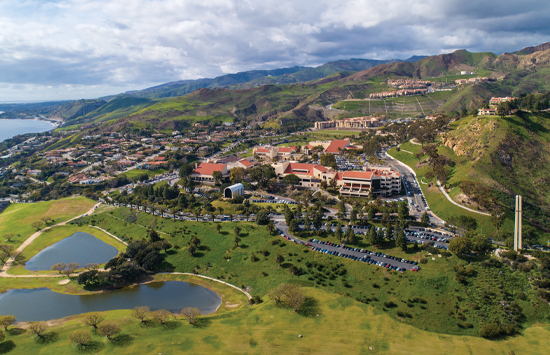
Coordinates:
<point>44,304</point>
<point>81,248</point>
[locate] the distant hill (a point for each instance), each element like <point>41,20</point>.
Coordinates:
<point>530,50</point>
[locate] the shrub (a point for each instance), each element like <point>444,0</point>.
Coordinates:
<point>389,304</point>
<point>423,261</point>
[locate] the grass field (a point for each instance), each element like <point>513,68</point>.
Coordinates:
<point>332,324</point>
<point>253,265</point>
<point>136,173</point>
<point>18,218</point>
<point>52,236</point>
<point>436,200</point>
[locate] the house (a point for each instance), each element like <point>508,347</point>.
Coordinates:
<point>204,171</point>
<point>487,112</point>
<point>495,101</point>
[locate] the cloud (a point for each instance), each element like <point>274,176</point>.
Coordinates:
<point>115,44</point>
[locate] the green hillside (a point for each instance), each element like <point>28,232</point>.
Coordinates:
<point>502,157</point>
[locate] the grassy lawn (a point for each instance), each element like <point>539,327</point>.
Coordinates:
<point>437,202</point>
<point>18,218</point>
<point>253,265</point>
<point>54,235</point>
<point>333,324</point>
<point>138,172</point>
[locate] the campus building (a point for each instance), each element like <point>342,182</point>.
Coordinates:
<point>355,122</point>
<point>204,172</point>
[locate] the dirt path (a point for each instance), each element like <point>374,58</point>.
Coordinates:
<point>456,204</point>
<point>7,265</point>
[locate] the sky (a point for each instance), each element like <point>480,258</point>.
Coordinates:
<point>72,49</point>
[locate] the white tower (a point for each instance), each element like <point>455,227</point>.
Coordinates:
<point>517,227</point>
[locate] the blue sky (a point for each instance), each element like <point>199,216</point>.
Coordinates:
<point>71,49</point>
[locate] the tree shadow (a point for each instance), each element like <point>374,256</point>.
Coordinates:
<point>204,247</point>
<point>243,246</point>
<point>47,338</point>
<point>202,322</point>
<point>15,331</point>
<point>7,346</point>
<point>148,323</point>
<point>122,340</point>
<point>224,233</point>
<point>171,325</point>
<point>171,252</point>
<point>92,347</point>
<point>309,308</point>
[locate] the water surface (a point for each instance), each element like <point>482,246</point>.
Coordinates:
<point>44,304</point>
<point>12,127</point>
<point>81,248</point>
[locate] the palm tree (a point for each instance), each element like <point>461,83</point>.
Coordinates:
<point>220,211</point>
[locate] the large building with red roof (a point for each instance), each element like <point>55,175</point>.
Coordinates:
<point>382,182</point>
<point>204,171</point>
<point>310,175</point>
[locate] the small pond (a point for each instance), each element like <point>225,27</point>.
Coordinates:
<point>81,248</point>
<point>44,304</point>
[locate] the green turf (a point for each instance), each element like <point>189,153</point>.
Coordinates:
<point>336,325</point>
<point>217,257</point>
<point>18,218</point>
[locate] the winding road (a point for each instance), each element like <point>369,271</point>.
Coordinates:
<point>456,204</point>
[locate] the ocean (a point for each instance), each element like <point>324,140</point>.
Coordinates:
<point>11,128</point>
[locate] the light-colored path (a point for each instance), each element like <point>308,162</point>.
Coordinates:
<point>7,265</point>
<point>209,278</point>
<point>456,204</point>
<point>112,235</point>
<point>413,141</point>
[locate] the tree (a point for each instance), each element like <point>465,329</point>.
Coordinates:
<point>59,267</point>
<point>94,319</point>
<point>37,225</point>
<point>108,329</point>
<point>8,236</point>
<point>339,234</point>
<point>460,245</point>
<point>403,211</point>
<point>191,313</point>
<point>6,321</point>
<point>191,250</point>
<point>317,220</point>
<point>237,175</point>
<point>237,241</point>
<point>80,337</point>
<point>2,336</point>
<point>270,227</point>
<point>401,241</point>
<point>353,216</point>
<point>237,231</point>
<point>161,315</point>
<point>218,228</point>
<point>217,176</point>
<point>141,313</point>
<point>262,217</point>
<point>91,266</point>
<point>350,235</point>
<point>371,214</point>
<point>279,259</point>
<point>6,251</point>
<point>153,235</point>
<point>291,179</point>
<point>70,269</point>
<point>425,218</point>
<point>185,170</point>
<point>37,328</point>
<point>497,218</point>
<point>290,295</point>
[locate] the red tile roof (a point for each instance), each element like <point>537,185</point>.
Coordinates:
<point>358,174</point>
<point>337,143</point>
<point>262,150</point>
<point>246,162</point>
<point>303,169</point>
<point>286,150</point>
<point>208,168</point>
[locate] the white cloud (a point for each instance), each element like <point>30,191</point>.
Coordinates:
<point>113,44</point>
